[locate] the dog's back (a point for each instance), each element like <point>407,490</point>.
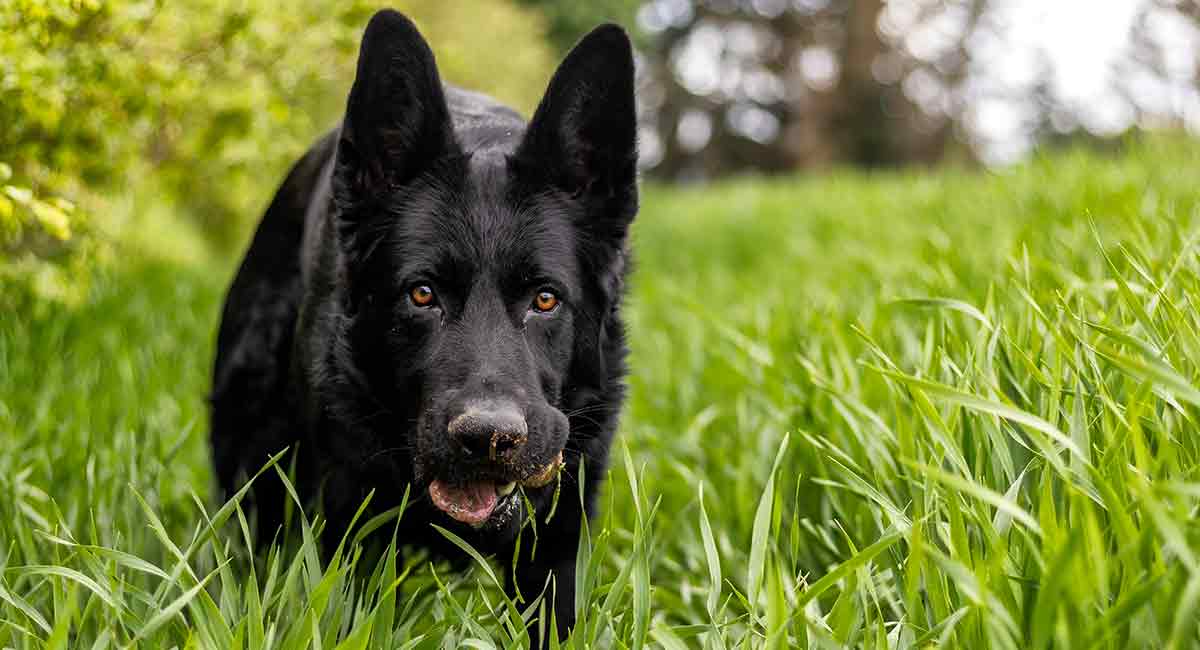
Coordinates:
<point>250,410</point>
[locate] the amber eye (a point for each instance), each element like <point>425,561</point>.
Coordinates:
<point>421,295</point>
<point>545,301</point>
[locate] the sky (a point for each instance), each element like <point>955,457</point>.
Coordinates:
<point>1086,45</point>
<point>1082,37</point>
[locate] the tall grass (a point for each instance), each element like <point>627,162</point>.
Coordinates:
<point>886,411</point>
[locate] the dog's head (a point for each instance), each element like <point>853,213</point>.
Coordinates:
<point>482,268</point>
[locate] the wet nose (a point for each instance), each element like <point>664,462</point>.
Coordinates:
<point>491,430</point>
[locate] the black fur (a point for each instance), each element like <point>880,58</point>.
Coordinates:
<point>322,349</point>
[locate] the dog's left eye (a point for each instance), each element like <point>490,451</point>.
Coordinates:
<point>421,295</point>
<point>545,301</point>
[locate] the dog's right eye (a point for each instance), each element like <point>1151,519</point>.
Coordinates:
<point>421,295</point>
<point>545,301</point>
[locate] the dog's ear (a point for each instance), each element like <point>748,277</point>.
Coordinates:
<point>396,122</point>
<point>583,136</point>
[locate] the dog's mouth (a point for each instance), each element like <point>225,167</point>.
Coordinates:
<point>476,502</point>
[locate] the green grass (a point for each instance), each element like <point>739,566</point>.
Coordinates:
<point>884,411</point>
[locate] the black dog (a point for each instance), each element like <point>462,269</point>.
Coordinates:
<point>431,301</point>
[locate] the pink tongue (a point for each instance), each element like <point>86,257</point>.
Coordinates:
<point>471,503</point>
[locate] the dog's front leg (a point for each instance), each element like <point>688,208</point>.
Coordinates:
<point>550,570</point>
<point>532,577</point>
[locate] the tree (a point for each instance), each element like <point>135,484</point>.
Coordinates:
<point>772,85</point>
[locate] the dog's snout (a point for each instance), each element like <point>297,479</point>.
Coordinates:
<point>489,430</point>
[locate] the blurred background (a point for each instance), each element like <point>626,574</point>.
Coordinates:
<point>166,126</point>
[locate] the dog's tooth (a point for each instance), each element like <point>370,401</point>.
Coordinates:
<point>507,488</point>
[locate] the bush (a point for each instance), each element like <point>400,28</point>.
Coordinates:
<point>202,105</point>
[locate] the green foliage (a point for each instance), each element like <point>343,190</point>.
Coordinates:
<point>568,21</point>
<point>44,256</point>
<point>25,217</point>
<point>202,105</point>
<point>890,410</point>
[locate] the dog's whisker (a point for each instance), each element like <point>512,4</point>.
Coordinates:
<point>593,408</point>
<point>385,452</point>
<point>369,417</point>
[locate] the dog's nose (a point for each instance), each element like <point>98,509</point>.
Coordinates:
<point>489,429</point>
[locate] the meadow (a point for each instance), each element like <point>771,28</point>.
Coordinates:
<point>878,410</point>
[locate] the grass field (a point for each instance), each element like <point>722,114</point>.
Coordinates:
<point>883,411</point>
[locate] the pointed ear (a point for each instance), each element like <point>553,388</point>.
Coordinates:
<point>582,138</point>
<point>397,122</point>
